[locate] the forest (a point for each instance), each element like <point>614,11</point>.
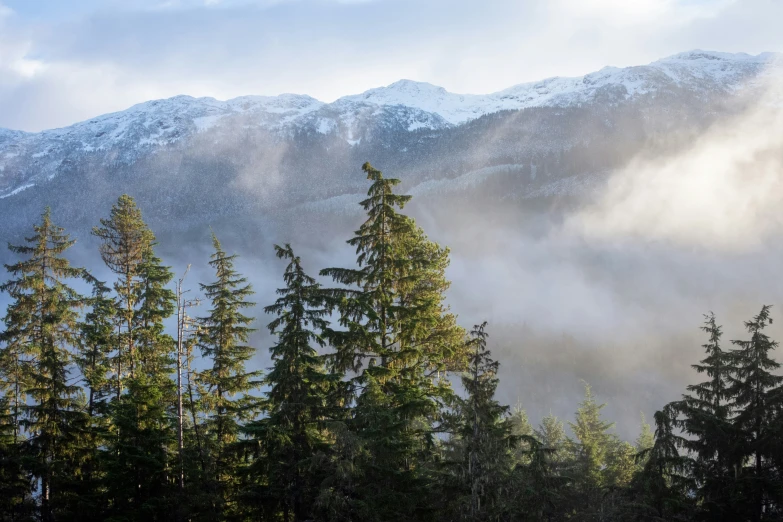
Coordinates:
<point>378,405</point>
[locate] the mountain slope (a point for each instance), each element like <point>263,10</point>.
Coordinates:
<point>122,138</point>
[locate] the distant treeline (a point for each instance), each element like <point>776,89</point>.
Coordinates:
<point>106,415</point>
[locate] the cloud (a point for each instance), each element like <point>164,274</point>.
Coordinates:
<point>724,191</point>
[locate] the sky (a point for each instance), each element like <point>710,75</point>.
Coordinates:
<point>63,61</point>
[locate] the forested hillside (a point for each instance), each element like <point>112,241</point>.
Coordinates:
<point>122,404</point>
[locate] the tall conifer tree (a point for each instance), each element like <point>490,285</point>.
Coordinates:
<point>482,456</point>
<point>301,396</point>
<point>125,240</point>
<point>42,322</point>
<point>705,415</point>
<point>139,471</point>
<point>223,337</point>
<point>752,389</point>
<point>399,338</point>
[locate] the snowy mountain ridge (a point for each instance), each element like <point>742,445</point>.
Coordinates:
<point>122,137</point>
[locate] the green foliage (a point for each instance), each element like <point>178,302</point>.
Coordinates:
<point>359,422</point>
<point>141,429</point>
<point>41,332</point>
<point>301,399</point>
<point>226,401</point>
<point>398,338</point>
<point>479,458</point>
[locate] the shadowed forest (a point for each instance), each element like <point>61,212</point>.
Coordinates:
<point>118,404</point>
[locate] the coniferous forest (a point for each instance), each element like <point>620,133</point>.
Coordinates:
<point>378,405</point>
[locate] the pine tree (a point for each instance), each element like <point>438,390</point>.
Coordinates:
<point>751,388</point>
<point>42,323</point>
<point>592,451</point>
<point>705,416</point>
<point>16,483</point>
<point>222,338</point>
<point>663,488</point>
<point>125,240</point>
<point>138,467</point>
<point>400,339</point>
<point>643,443</point>
<point>16,487</point>
<point>300,399</point>
<point>483,439</point>
<point>94,359</point>
<point>551,433</point>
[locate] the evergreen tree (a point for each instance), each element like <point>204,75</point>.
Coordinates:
<point>643,443</point>
<point>42,323</point>
<point>400,339</point>
<point>138,467</point>
<point>300,399</point>
<point>94,359</point>
<point>16,501</point>
<point>125,240</point>
<point>752,387</point>
<point>552,435</point>
<point>705,416</point>
<point>222,338</point>
<point>16,483</point>
<point>483,439</point>
<point>592,451</point>
<point>646,438</point>
<point>662,490</point>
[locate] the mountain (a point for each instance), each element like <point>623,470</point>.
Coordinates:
<point>492,176</point>
<point>121,139</point>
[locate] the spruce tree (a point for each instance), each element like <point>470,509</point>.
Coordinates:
<point>300,400</point>
<point>222,338</point>
<point>752,389</point>
<point>483,439</point>
<point>94,359</point>
<point>592,452</point>
<point>140,444</point>
<point>16,483</point>
<point>705,416</point>
<point>125,240</point>
<point>42,323</point>
<point>399,339</point>
<point>663,488</point>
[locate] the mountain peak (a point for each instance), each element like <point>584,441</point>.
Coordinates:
<point>700,55</point>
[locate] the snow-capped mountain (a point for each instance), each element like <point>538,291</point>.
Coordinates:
<point>30,158</point>
<point>194,160</point>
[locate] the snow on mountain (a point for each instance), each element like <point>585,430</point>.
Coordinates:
<point>698,70</point>
<point>123,137</point>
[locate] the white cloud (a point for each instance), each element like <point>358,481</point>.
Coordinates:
<point>724,191</point>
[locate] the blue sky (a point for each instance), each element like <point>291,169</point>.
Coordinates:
<point>63,61</point>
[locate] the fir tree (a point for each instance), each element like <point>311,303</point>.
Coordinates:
<point>125,240</point>
<point>483,438</point>
<point>300,399</point>
<point>94,359</point>
<point>662,489</point>
<point>592,450</point>
<point>16,483</point>
<point>138,467</point>
<point>42,323</point>
<point>400,339</point>
<point>705,416</point>
<point>222,338</point>
<point>751,388</point>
